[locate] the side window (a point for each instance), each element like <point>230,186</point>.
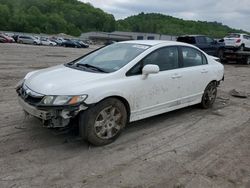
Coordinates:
<point>201,40</point>
<point>209,40</point>
<point>140,38</point>
<point>245,37</point>
<point>166,58</point>
<point>151,38</point>
<point>192,57</point>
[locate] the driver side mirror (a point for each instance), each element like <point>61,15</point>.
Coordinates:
<point>150,69</point>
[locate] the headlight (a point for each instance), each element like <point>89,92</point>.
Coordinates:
<point>63,100</point>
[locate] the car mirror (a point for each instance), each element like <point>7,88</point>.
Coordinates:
<point>150,69</point>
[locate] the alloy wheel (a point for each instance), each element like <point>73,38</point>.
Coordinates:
<point>108,122</point>
<point>210,95</point>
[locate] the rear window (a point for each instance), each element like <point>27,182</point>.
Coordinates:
<point>233,35</point>
<point>189,40</point>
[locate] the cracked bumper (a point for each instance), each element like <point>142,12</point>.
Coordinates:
<point>41,114</point>
<point>52,116</point>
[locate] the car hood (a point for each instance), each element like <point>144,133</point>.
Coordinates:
<point>61,80</point>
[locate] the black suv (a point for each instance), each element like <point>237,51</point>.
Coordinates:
<point>207,44</point>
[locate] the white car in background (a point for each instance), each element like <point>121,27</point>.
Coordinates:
<point>47,42</point>
<point>121,83</point>
<point>237,41</point>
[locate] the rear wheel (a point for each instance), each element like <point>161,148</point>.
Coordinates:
<point>103,123</point>
<point>209,95</point>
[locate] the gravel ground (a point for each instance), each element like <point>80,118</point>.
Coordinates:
<point>187,148</point>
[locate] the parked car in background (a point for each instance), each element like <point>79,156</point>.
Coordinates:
<point>81,43</point>
<point>57,41</point>
<point>205,43</point>
<point>71,43</point>
<point>108,42</point>
<point>237,41</point>
<point>38,40</point>
<point>15,37</point>
<point>45,41</point>
<point>103,90</point>
<point>24,39</point>
<point>6,39</point>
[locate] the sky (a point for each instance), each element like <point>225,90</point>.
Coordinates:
<point>234,13</point>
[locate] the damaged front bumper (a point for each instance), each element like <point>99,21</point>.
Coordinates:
<point>52,116</point>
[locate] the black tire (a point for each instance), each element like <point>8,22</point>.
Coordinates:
<point>247,61</point>
<point>242,47</point>
<point>220,54</point>
<point>209,95</point>
<point>96,129</point>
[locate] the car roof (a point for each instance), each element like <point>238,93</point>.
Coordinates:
<point>156,42</point>
<point>152,42</point>
<point>193,36</point>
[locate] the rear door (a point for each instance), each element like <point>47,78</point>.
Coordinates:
<point>195,73</point>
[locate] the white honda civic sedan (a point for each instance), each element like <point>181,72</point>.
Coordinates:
<point>120,83</point>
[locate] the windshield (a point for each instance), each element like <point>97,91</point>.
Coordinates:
<point>112,57</point>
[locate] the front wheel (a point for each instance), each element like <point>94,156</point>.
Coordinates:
<point>103,123</point>
<point>209,96</point>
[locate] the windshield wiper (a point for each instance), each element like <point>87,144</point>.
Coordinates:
<point>92,67</point>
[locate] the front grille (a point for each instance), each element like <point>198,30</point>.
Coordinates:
<point>33,100</point>
<point>29,96</point>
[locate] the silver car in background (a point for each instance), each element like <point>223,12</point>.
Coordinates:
<point>28,40</point>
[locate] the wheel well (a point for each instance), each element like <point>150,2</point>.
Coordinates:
<point>124,101</point>
<point>215,81</point>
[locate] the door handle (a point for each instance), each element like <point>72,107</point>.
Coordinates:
<point>176,76</point>
<point>204,71</point>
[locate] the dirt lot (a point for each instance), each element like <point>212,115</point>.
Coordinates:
<point>185,148</point>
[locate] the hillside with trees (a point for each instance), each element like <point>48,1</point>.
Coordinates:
<point>74,17</point>
<point>159,23</point>
<point>53,16</point>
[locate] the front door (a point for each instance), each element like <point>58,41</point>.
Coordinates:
<point>155,93</point>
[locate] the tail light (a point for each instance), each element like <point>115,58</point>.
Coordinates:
<point>238,40</point>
